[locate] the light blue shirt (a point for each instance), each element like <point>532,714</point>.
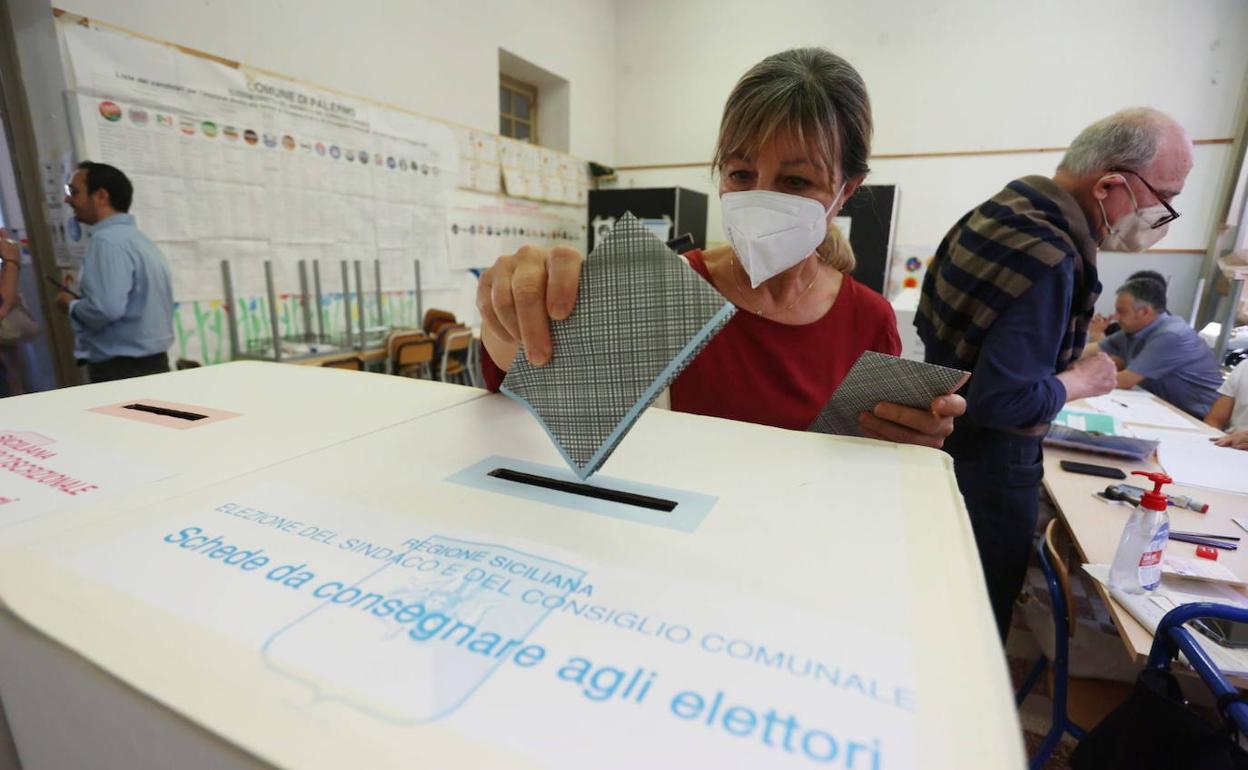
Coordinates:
<point>1176,364</point>
<point>126,308</point>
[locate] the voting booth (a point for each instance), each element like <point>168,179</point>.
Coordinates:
<point>269,565</point>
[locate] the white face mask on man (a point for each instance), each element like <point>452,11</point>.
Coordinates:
<point>771,231</point>
<point>1135,231</point>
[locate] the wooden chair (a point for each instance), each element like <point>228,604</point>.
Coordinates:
<point>1076,701</point>
<point>453,345</point>
<point>435,319</point>
<point>410,353</point>
<point>351,363</point>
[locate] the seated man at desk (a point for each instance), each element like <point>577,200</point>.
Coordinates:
<point>1230,411</point>
<point>1159,351</point>
<point>1103,326</point>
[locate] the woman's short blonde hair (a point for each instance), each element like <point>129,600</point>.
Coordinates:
<point>814,96</point>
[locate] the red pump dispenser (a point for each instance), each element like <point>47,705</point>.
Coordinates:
<point>1155,500</point>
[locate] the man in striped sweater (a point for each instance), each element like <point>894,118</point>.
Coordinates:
<point>1009,296</point>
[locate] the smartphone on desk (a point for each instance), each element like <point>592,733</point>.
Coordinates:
<point>1092,470</point>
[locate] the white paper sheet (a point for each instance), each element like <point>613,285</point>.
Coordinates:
<point>1137,408</point>
<point>1198,462</point>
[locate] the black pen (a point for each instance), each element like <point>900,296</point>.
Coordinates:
<point>63,287</point>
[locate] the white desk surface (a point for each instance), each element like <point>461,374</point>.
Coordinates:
<point>839,549</point>
<point>1096,526</point>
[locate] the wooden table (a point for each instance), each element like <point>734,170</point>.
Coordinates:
<point>1096,526</point>
<point>367,355</point>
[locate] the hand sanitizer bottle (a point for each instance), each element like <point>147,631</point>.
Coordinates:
<point>1137,563</point>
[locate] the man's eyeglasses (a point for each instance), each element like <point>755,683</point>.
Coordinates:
<point>1170,215</point>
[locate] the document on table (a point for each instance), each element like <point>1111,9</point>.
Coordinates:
<point>1200,569</point>
<point>1093,422</point>
<point>1167,434</point>
<point>1134,407</point>
<point>1150,607</point>
<point>1198,462</point>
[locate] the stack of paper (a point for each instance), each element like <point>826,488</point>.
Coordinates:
<point>1098,443</point>
<point>1150,607</point>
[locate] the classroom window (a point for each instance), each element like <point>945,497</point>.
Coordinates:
<point>517,110</point>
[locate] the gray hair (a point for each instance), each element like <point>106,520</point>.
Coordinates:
<point>1146,291</point>
<point>820,100</point>
<point>1128,139</point>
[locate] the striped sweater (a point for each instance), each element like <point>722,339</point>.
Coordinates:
<point>993,255</point>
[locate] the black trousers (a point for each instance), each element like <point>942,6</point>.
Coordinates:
<point>999,474</point>
<point>124,368</point>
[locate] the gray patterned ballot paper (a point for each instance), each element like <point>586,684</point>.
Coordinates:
<point>876,377</point>
<point>641,315</point>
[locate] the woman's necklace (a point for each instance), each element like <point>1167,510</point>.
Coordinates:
<point>786,308</point>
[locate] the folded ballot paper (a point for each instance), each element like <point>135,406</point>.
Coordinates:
<point>877,377</point>
<point>641,315</point>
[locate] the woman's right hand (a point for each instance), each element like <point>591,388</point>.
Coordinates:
<point>520,295</point>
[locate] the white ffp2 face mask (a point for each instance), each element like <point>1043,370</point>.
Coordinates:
<point>1135,231</point>
<point>772,231</point>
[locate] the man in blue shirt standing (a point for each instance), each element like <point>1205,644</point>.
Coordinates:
<point>1009,296</point>
<point>1158,351</point>
<point>123,323</point>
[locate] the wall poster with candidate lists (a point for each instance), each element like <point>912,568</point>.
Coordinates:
<point>232,164</point>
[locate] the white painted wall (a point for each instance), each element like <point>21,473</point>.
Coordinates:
<point>648,77</point>
<point>436,58</point>
<point>948,76</point>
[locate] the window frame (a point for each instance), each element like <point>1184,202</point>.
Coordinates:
<point>528,91</point>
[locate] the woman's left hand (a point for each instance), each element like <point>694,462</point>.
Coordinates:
<point>907,425</point>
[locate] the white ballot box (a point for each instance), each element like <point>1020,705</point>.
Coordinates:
<point>94,449</point>
<point>432,590</point>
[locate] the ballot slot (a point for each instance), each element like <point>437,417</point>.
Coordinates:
<point>585,490</point>
<point>177,414</point>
